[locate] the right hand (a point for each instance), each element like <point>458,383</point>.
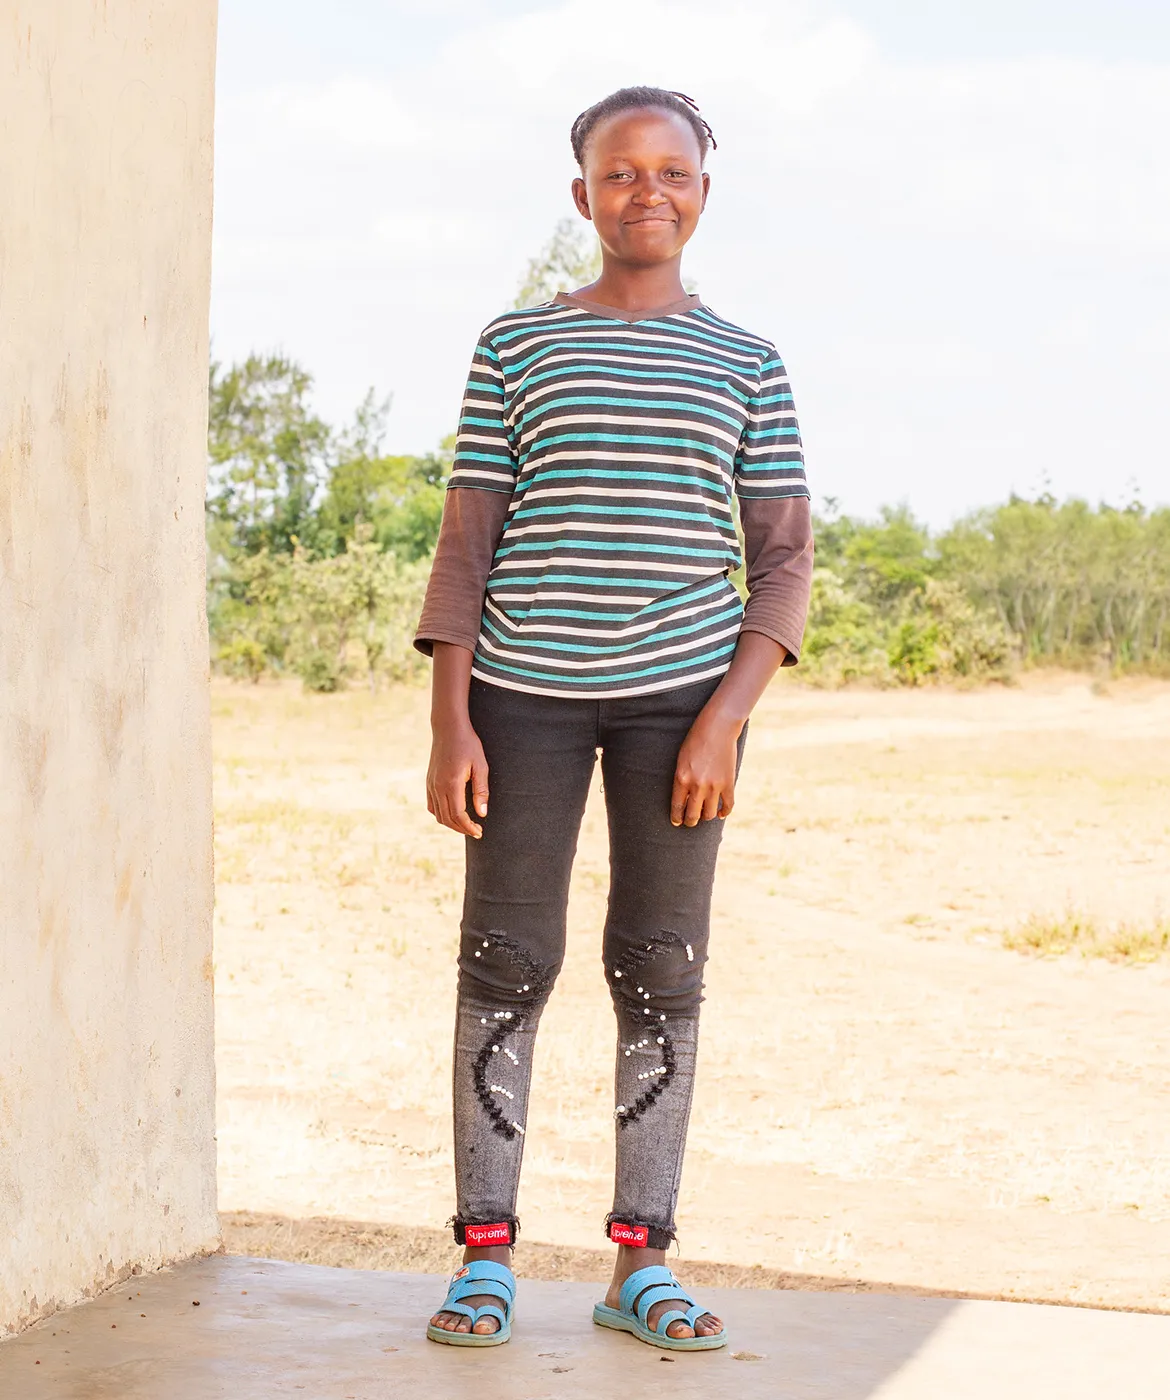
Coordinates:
<point>457,758</point>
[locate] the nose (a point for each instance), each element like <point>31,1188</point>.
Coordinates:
<point>649,194</point>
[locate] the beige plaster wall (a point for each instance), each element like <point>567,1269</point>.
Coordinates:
<point>107,1149</point>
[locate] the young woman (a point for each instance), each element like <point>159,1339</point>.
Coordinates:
<point>580,602</point>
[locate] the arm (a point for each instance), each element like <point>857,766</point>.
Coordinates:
<point>457,756</point>
<point>448,629</point>
<point>778,551</point>
<point>474,511</point>
<point>704,777</point>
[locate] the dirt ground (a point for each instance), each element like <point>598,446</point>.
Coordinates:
<point>888,1096</point>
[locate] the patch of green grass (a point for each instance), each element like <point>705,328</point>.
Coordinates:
<point>1080,933</point>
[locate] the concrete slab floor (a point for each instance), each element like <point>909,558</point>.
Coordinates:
<point>264,1328</point>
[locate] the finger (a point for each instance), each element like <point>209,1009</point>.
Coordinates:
<point>726,802</point>
<point>479,787</point>
<point>694,809</point>
<point>711,805</point>
<point>457,810</point>
<point>678,800</point>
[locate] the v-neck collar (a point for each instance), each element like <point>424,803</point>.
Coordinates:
<point>613,313</point>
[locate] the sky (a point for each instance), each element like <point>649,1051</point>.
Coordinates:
<point>953,219</point>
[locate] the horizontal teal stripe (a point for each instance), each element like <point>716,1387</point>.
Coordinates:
<point>579,371</point>
<point>464,456</point>
<point>776,468</point>
<point>592,581</point>
<point>629,347</point>
<point>629,439</point>
<point>586,474</point>
<point>612,547</point>
<point>787,431</point>
<point>652,512</point>
<point>467,421</point>
<point>591,400</point>
<point>615,649</point>
<point>687,664</point>
<point>672,601</point>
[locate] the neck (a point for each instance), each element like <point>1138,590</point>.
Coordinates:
<point>637,288</point>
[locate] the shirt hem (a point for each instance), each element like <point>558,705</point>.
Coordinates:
<point>669,684</point>
<point>426,642</point>
<point>793,652</point>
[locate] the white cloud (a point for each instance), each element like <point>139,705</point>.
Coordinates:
<point>920,238</point>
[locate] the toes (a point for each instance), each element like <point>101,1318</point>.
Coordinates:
<point>707,1325</point>
<point>485,1327</point>
<point>679,1329</point>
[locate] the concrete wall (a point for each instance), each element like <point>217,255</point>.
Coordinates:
<point>107,1150</point>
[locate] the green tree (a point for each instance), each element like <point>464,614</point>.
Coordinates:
<point>570,259</point>
<point>269,454</point>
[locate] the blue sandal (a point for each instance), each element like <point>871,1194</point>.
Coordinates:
<point>479,1277</point>
<point>639,1294</point>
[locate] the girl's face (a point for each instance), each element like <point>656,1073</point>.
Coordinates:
<point>643,185</point>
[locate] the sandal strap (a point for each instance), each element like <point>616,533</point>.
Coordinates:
<point>473,1287</point>
<point>674,1315</point>
<point>659,1293</point>
<point>477,1279</point>
<point>485,1269</point>
<point>641,1279</point>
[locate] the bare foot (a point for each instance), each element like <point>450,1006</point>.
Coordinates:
<point>628,1262</point>
<point>456,1322</point>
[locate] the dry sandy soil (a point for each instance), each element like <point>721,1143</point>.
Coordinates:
<point>888,1095</point>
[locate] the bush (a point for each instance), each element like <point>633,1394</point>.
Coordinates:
<point>324,620</point>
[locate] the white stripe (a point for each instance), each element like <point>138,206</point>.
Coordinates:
<point>609,600</point>
<point>665,338</point>
<point>631,629</point>
<point>642,459</point>
<point>542,491</point>
<point>662,683</point>
<point>562,561</point>
<point>557,527</point>
<point>515,652</point>
<point>630,387</point>
<point>603,417</point>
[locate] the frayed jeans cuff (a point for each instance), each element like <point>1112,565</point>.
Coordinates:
<point>638,1234</point>
<point>480,1234</point>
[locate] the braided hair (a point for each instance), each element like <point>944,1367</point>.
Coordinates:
<point>631,99</point>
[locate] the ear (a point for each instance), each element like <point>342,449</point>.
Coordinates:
<point>706,191</point>
<point>581,198</point>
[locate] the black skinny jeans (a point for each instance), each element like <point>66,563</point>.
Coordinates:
<point>541,751</point>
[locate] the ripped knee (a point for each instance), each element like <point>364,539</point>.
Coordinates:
<point>653,983</point>
<point>507,987</point>
<point>662,974</point>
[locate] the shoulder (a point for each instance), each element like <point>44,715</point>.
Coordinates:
<point>747,342</point>
<point>509,326</point>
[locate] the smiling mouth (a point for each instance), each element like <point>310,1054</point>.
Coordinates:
<point>653,219</point>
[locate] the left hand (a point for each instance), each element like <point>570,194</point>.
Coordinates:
<point>704,776</point>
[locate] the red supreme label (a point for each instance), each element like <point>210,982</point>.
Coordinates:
<point>635,1235</point>
<point>478,1236</point>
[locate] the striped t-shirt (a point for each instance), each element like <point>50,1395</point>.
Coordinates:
<point>620,443</point>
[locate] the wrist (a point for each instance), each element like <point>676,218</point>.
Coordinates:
<point>721,712</point>
<point>449,715</point>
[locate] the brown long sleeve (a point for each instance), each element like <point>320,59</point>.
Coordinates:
<point>778,553</point>
<point>473,521</point>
